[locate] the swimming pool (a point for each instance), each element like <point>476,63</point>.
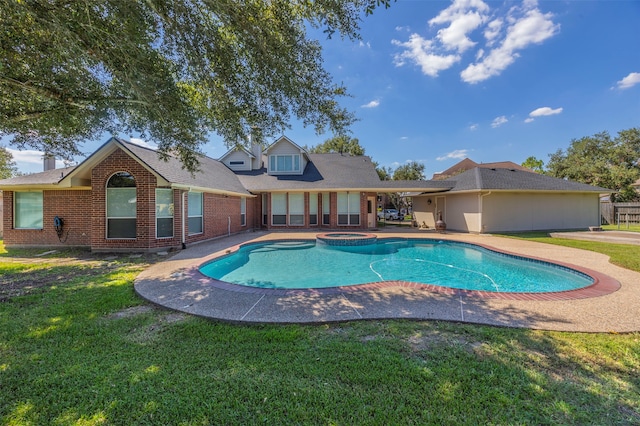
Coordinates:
<point>303,264</point>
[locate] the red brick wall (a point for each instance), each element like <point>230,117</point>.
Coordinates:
<point>119,161</point>
<point>73,207</point>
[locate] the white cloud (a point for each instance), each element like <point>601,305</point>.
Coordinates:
<point>474,126</point>
<point>526,27</point>
<point>505,36</point>
<point>492,31</point>
<point>32,161</point>
<point>457,154</point>
<point>373,104</point>
<point>363,44</point>
<point>629,81</point>
<point>463,17</point>
<point>420,51</point>
<point>28,156</point>
<point>499,121</point>
<point>143,143</point>
<point>404,138</point>
<point>540,112</point>
<point>442,52</point>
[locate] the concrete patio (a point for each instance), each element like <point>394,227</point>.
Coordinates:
<point>613,305</point>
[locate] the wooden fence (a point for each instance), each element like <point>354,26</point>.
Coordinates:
<point>619,213</point>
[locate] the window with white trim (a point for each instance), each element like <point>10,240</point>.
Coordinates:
<point>284,163</point>
<point>195,213</point>
<point>27,210</point>
<point>121,206</point>
<point>164,213</point>
<point>243,211</point>
<point>265,216</point>
<point>313,208</point>
<point>348,208</point>
<point>296,209</point>
<point>278,209</point>
<point>326,208</point>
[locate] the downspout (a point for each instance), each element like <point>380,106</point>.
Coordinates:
<point>481,230</point>
<point>184,212</point>
<point>228,225</point>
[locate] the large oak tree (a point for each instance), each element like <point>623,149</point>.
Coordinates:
<point>172,71</point>
<point>612,163</point>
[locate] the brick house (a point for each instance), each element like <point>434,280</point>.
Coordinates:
<point>124,198</point>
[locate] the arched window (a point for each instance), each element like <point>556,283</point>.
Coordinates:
<point>121,206</point>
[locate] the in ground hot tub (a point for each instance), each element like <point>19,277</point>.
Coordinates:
<point>346,238</point>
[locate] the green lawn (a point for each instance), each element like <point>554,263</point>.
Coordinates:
<point>77,346</point>
<point>633,227</point>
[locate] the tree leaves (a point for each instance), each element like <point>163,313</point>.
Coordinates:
<point>602,161</point>
<point>172,71</point>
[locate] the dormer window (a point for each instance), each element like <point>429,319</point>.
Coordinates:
<point>284,163</point>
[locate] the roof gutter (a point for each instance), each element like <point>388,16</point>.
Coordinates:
<point>190,188</point>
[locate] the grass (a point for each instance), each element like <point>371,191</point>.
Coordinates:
<point>624,255</point>
<point>633,227</point>
<point>88,351</point>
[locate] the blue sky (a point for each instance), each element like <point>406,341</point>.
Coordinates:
<point>438,81</point>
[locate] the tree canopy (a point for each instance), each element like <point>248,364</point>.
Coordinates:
<point>410,171</point>
<point>534,164</point>
<point>340,144</point>
<point>8,167</point>
<point>612,163</point>
<point>170,71</point>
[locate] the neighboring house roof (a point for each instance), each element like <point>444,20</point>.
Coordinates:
<point>468,164</point>
<point>497,179</point>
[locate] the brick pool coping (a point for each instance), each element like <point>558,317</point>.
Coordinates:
<point>602,284</point>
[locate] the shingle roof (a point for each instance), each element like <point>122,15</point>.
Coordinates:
<point>324,171</point>
<point>212,174</point>
<point>468,164</point>
<point>49,177</point>
<point>515,180</point>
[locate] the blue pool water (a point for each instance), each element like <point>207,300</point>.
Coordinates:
<point>305,264</point>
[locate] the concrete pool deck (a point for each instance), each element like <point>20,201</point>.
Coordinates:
<point>613,305</point>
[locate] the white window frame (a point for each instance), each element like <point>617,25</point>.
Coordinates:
<point>295,209</point>
<point>278,208</point>
<point>17,209</point>
<point>193,214</point>
<point>313,209</point>
<point>278,163</point>
<point>163,213</point>
<point>265,216</point>
<point>112,190</point>
<point>243,211</point>
<point>349,206</point>
<point>326,208</point>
